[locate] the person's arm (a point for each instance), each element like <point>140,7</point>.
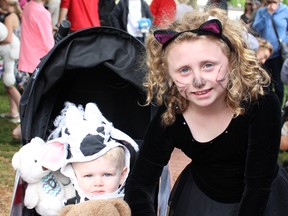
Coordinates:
<point>62,14</point>
<point>284,143</point>
<point>284,137</point>
<point>64,8</point>
<point>260,21</point>
<point>262,154</point>
<point>9,20</point>
<point>154,154</point>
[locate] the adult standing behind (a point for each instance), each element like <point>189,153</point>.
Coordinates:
<point>36,35</point>
<point>12,22</point>
<point>246,17</point>
<point>36,38</point>
<point>105,8</point>
<point>218,3</point>
<point>264,27</point>
<point>215,106</point>
<point>127,14</point>
<point>54,9</point>
<point>81,13</point>
<point>163,12</point>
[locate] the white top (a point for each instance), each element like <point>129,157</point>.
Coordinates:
<point>134,16</point>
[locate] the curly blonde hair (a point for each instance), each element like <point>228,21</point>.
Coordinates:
<point>247,78</point>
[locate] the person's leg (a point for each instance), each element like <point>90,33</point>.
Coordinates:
<point>16,133</point>
<point>14,97</point>
<point>13,110</point>
<point>14,100</point>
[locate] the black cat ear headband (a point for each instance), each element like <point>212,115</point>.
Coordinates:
<point>211,27</point>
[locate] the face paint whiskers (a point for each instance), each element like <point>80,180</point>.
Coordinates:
<point>222,79</point>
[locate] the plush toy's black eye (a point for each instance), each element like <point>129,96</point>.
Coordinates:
<point>35,161</point>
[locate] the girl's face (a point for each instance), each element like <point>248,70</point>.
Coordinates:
<point>199,69</point>
<point>100,176</point>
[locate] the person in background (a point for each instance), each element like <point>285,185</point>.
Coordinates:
<point>163,12</point>
<point>276,12</point>
<point>264,50</point>
<point>54,9</point>
<point>214,105</point>
<point>127,14</point>
<point>181,8</point>
<point>105,8</point>
<point>246,17</point>
<point>218,3</point>
<point>255,5</point>
<point>22,3</point>
<point>35,44</point>
<point>12,22</point>
<point>81,13</point>
<point>284,137</point>
<point>36,39</point>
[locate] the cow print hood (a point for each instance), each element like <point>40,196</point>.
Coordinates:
<point>85,135</point>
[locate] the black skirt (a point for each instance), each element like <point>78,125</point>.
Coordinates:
<point>187,199</point>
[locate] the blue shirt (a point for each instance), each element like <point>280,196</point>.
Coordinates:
<point>264,27</point>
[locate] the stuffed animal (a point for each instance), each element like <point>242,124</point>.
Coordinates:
<point>10,52</point>
<point>107,207</point>
<point>46,191</point>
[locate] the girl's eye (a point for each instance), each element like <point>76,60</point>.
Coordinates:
<point>208,66</point>
<point>184,70</point>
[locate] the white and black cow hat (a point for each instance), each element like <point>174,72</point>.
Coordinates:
<point>84,135</point>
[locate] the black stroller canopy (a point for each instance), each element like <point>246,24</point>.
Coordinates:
<point>101,65</point>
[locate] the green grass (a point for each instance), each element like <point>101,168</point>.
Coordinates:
<point>8,146</point>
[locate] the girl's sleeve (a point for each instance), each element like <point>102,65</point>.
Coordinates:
<point>262,153</point>
<point>154,154</point>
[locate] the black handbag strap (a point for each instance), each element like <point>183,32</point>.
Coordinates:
<point>274,27</point>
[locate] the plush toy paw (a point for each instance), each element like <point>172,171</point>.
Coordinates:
<point>99,207</point>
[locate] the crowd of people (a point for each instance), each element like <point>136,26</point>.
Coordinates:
<point>219,96</point>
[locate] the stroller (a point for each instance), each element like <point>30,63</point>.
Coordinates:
<point>100,65</point>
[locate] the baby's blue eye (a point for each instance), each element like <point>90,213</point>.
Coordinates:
<point>107,174</point>
<point>88,176</point>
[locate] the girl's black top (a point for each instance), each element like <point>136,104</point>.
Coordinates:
<point>239,165</point>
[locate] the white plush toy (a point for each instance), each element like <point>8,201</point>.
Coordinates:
<point>46,191</point>
<point>10,52</point>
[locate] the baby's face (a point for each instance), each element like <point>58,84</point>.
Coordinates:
<point>100,176</point>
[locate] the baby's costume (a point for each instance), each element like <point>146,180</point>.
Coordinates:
<point>85,135</point>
